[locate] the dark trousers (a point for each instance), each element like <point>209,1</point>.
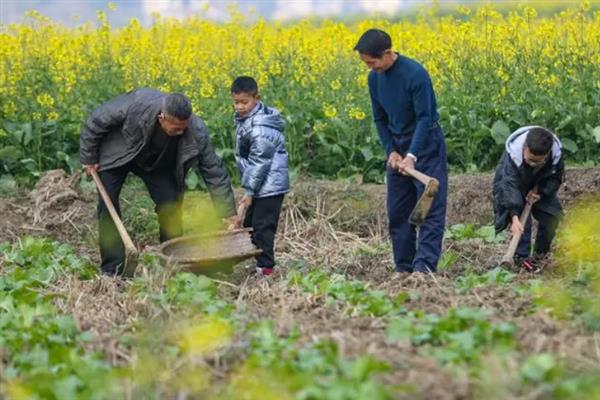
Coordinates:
<point>167,197</point>
<point>547,224</point>
<point>412,251</point>
<point>263,217</point>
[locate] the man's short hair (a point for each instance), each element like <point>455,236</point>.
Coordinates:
<point>177,105</point>
<point>539,141</point>
<point>244,84</point>
<point>374,43</point>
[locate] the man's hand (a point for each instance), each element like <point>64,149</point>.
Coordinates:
<point>246,201</point>
<point>394,160</point>
<point>407,162</point>
<point>88,168</point>
<point>233,222</point>
<point>516,228</point>
<point>533,197</point>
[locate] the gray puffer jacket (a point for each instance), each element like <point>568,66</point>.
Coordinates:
<point>260,152</point>
<point>118,130</point>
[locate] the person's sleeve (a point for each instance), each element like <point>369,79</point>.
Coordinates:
<point>380,118</point>
<point>548,187</point>
<point>422,98</point>
<point>103,120</point>
<point>213,172</point>
<point>512,199</point>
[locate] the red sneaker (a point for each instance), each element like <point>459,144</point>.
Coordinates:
<point>264,271</point>
<point>533,264</point>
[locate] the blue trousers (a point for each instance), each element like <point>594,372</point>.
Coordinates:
<point>412,251</point>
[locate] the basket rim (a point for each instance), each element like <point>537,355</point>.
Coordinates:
<point>192,260</point>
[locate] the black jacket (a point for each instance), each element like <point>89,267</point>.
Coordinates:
<point>118,130</point>
<point>514,179</point>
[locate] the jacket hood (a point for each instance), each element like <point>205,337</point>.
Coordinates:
<point>516,142</point>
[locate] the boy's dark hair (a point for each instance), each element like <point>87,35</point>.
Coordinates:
<point>177,105</point>
<point>539,141</point>
<point>374,43</point>
<point>244,84</point>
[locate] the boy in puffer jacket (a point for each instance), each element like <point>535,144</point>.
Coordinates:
<point>263,163</point>
<point>531,169</point>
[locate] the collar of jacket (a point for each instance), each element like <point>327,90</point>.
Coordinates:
<point>516,143</point>
<point>257,108</point>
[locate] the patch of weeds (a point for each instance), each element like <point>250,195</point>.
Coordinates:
<point>495,277</point>
<point>487,233</point>
<point>575,296</point>
<point>549,376</point>
<point>355,295</point>
<point>377,249</point>
<point>529,288</point>
<point>43,352</point>
<point>448,259</point>
<point>170,357</point>
<point>458,337</point>
<point>8,185</point>
<point>315,370</point>
<point>35,262</point>
<point>186,292</point>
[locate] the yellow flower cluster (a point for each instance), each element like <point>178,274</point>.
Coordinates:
<point>474,56</point>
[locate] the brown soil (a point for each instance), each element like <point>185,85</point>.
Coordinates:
<point>337,226</point>
<point>361,208</point>
<point>55,208</point>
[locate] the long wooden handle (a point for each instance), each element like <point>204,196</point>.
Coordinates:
<point>241,212</point>
<point>113,213</point>
<point>514,242</point>
<point>421,177</point>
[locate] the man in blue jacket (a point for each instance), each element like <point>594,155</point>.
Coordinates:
<point>404,111</point>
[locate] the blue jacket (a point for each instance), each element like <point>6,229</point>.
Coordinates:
<point>260,152</point>
<point>403,102</point>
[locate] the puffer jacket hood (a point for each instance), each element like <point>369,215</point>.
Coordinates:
<point>516,142</point>
<point>262,115</point>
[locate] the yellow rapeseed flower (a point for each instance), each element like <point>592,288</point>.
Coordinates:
<point>329,111</point>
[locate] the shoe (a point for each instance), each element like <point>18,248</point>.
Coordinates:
<point>532,264</point>
<point>423,269</point>
<point>265,271</point>
<point>404,268</point>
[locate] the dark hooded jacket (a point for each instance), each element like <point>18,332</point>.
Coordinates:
<point>514,179</point>
<point>119,129</point>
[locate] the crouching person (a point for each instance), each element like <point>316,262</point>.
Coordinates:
<point>531,169</point>
<point>155,136</point>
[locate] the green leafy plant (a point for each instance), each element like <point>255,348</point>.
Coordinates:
<point>315,370</point>
<point>355,296</point>
<point>458,337</point>
<point>471,231</point>
<point>494,277</point>
<point>43,351</point>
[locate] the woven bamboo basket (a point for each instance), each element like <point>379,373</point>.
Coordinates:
<point>209,253</point>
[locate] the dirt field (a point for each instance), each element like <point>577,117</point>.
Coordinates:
<point>339,228</point>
